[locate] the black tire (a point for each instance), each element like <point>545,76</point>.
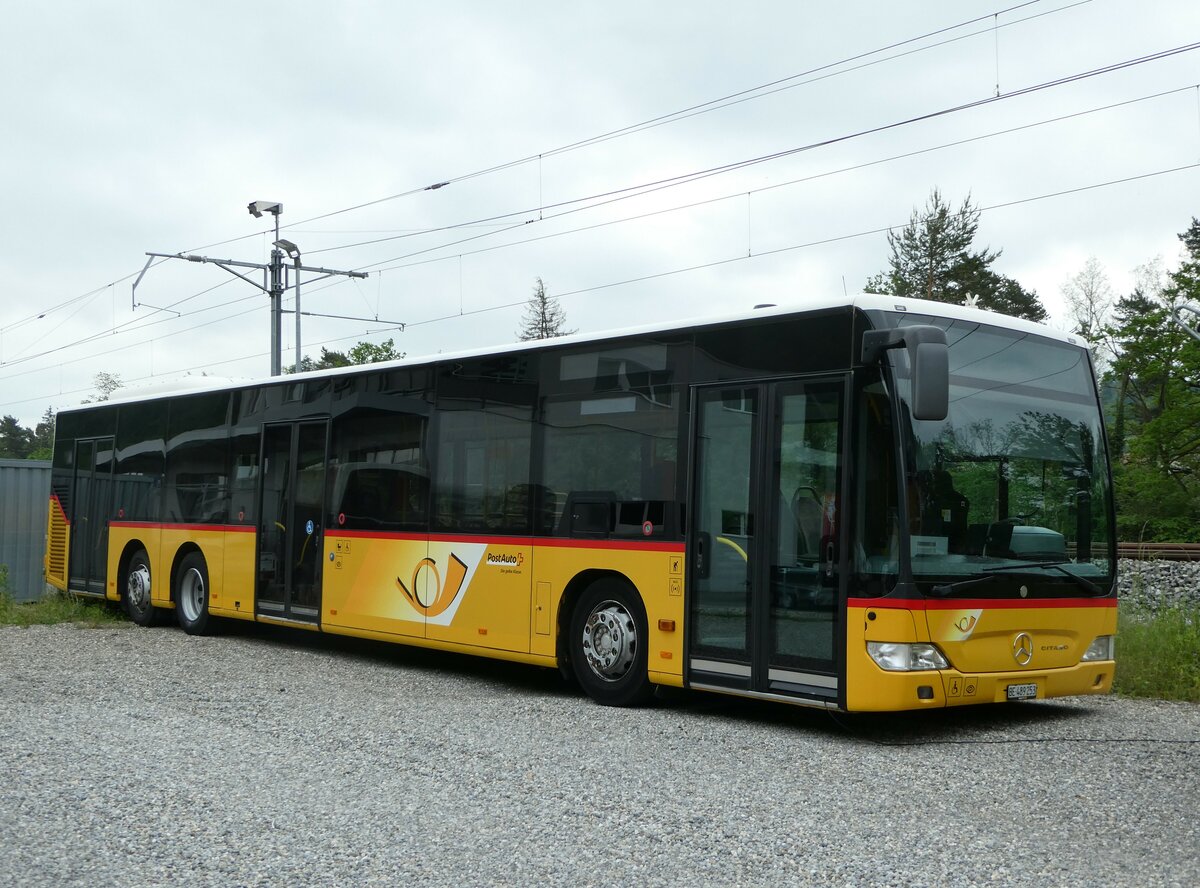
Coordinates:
<point>608,643</point>
<point>191,595</point>
<point>135,592</point>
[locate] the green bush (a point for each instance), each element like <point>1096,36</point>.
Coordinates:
<point>1158,655</point>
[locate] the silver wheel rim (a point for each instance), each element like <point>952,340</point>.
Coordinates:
<point>191,594</point>
<point>610,640</point>
<point>137,588</point>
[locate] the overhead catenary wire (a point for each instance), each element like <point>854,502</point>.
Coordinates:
<point>639,190</point>
<point>1060,81</point>
<point>748,94</point>
<point>808,244</point>
<point>141,323</point>
<point>639,279</point>
<point>739,194</point>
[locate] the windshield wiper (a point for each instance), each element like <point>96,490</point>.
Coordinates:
<point>1084,582</point>
<point>993,573</point>
<point>945,589</point>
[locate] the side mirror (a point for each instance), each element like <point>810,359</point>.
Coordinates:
<point>928,360</point>
<point>930,363</point>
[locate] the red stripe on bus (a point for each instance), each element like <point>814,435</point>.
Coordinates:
<point>979,603</point>
<point>374,534</point>
<point>227,528</point>
<point>633,545</point>
<point>551,542</point>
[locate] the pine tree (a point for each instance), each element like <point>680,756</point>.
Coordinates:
<point>932,258</point>
<point>15,439</point>
<point>42,442</point>
<point>544,317</point>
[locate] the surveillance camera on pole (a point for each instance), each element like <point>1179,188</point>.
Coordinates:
<point>276,285</point>
<point>258,207</point>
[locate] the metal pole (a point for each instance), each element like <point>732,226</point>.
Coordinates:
<point>276,306</point>
<point>297,312</point>
<point>276,310</point>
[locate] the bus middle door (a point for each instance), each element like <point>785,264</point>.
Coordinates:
<point>291,520</point>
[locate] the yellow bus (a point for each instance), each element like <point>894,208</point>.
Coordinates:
<point>868,504</point>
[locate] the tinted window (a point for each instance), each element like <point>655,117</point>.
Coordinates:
<point>139,469</point>
<point>484,428</point>
<point>775,346</point>
<point>621,447</point>
<point>247,413</point>
<point>609,439</point>
<point>378,468</point>
<point>197,481</point>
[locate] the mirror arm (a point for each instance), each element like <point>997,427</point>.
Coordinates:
<point>876,342</point>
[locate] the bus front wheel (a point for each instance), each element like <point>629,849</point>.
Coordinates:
<point>191,594</point>
<point>608,644</point>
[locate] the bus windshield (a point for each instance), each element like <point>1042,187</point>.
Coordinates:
<point>1010,493</point>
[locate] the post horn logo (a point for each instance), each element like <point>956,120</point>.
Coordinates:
<point>1022,648</point>
<point>432,597</point>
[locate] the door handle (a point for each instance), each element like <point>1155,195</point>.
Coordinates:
<point>703,554</point>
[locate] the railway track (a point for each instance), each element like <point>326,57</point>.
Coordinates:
<point>1159,551</point>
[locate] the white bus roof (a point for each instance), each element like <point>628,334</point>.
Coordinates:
<point>864,301</point>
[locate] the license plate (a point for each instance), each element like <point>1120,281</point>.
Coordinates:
<point>1022,692</point>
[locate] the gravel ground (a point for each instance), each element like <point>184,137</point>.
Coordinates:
<point>263,757</point>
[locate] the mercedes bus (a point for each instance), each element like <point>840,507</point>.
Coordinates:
<point>869,503</point>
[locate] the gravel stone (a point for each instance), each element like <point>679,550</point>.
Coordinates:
<point>1153,585</point>
<point>134,756</point>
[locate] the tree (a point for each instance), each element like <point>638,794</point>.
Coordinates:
<point>1089,304</point>
<point>544,317</point>
<point>370,353</point>
<point>15,439</point>
<point>932,258</point>
<point>42,440</point>
<point>1000,293</point>
<point>106,383</point>
<point>362,353</point>
<point>1156,408</point>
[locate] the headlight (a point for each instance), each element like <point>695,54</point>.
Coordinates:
<point>896,656</point>
<point>1100,649</point>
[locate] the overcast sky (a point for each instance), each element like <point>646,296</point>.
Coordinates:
<point>138,126</point>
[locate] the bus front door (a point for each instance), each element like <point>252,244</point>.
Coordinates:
<point>92,500</point>
<point>764,551</point>
<point>291,520</point>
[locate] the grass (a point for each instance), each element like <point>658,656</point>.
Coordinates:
<point>1158,655</point>
<point>58,607</point>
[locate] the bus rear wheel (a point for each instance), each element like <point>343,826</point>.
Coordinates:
<point>607,644</point>
<point>191,595</point>
<point>136,597</point>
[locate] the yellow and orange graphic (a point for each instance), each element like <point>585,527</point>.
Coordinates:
<point>964,622</point>
<point>434,598</point>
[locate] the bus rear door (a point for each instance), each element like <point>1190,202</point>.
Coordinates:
<point>93,503</point>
